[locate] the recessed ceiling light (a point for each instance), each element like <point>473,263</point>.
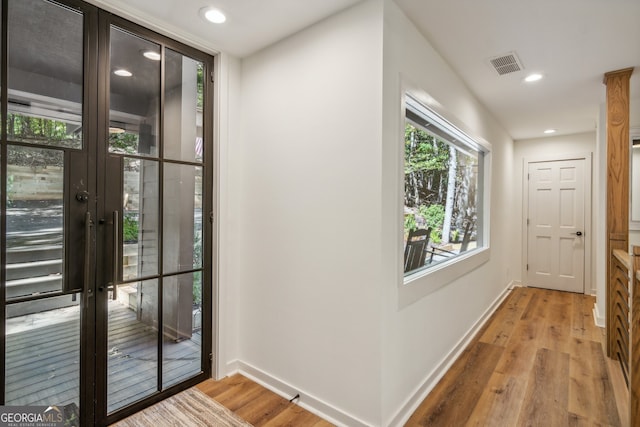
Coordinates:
<point>214,15</point>
<point>150,54</point>
<point>533,78</point>
<point>548,131</point>
<point>122,72</point>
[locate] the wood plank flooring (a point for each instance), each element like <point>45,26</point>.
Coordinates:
<point>258,405</point>
<point>539,361</point>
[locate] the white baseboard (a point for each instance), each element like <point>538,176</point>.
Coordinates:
<point>232,367</point>
<point>340,418</point>
<point>421,392</point>
<point>310,403</point>
<point>599,320</point>
<point>514,284</point>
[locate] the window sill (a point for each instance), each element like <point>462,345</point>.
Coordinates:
<point>420,284</point>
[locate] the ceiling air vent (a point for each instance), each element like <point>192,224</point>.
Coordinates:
<point>506,64</point>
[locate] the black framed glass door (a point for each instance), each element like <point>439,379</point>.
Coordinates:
<point>106,198</point>
<point>154,214</point>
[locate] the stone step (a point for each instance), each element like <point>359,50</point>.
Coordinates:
<point>35,237</point>
<point>24,270</point>
<point>33,286</point>
<point>23,254</point>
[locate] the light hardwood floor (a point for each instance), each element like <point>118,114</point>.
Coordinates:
<point>258,405</point>
<point>538,361</point>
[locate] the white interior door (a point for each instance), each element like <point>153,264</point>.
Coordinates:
<point>556,225</point>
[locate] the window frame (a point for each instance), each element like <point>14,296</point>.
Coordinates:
<point>423,281</point>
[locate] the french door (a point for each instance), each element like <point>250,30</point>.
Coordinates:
<point>106,183</point>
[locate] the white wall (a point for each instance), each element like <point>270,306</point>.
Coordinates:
<point>317,205</point>
<point>418,338</point>
<point>547,148</point>
<point>226,262</point>
<point>306,195</point>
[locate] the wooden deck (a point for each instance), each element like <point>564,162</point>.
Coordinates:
<point>42,359</point>
<point>132,362</point>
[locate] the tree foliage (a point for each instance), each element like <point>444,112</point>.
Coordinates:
<point>43,132</point>
<point>434,218</point>
<point>123,143</point>
<point>25,127</point>
<point>200,85</point>
<point>426,160</point>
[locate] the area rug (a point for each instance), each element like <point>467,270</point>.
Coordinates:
<point>188,408</point>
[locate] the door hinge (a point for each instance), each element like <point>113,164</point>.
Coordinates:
<point>527,221</point>
<point>211,217</point>
<point>528,177</point>
<point>527,267</point>
<point>212,78</point>
<point>210,357</point>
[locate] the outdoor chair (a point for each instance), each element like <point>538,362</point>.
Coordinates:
<point>415,250</point>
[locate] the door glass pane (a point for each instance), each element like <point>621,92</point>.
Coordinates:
<point>45,74</point>
<point>132,365</point>
<point>182,217</point>
<point>42,356</point>
<point>140,219</point>
<point>182,320</point>
<point>134,95</point>
<point>183,107</point>
<point>35,217</point>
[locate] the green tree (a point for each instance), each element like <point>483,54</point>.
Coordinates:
<point>426,176</point>
<point>44,131</point>
<point>425,166</point>
<point>200,85</point>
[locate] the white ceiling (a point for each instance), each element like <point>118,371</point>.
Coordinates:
<point>251,24</point>
<point>572,42</point>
